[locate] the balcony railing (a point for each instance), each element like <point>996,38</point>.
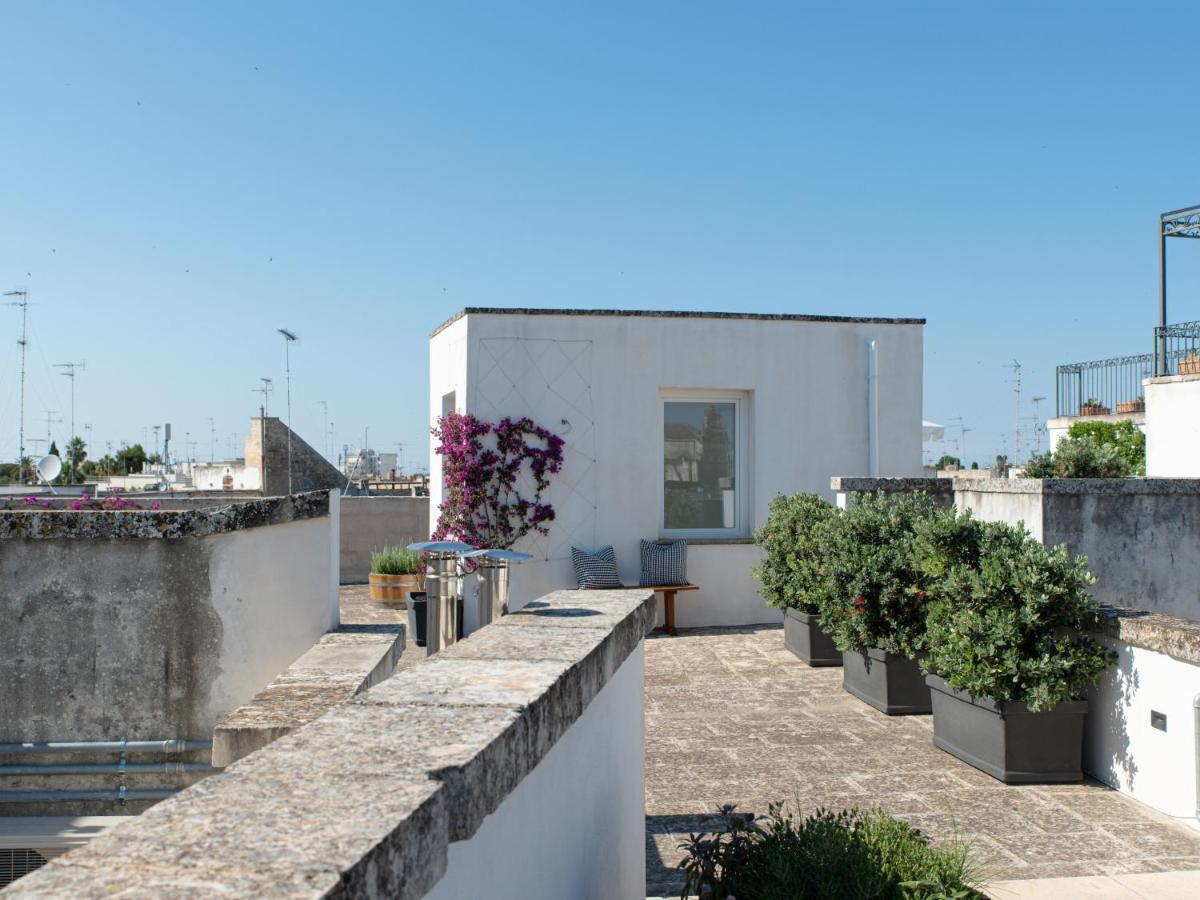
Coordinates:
<point>1103,386</point>
<point>1179,348</point>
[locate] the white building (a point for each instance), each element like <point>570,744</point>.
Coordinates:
<point>224,475</point>
<point>776,403</point>
<point>370,464</point>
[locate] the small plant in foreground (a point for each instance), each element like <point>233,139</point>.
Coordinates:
<point>395,561</point>
<point>825,856</point>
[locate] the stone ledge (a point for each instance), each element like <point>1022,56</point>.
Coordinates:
<point>1080,486</point>
<point>365,801</point>
<point>1177,638</point>
<point>162,524</point>
<point>864,485</point>
<point>342,664</point>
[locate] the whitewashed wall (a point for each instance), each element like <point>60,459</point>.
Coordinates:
<point>575,825</point>
<point>808,416</point>
<point>1173,426</point>
<point>1120,746</point>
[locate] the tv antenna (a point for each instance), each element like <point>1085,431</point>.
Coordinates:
<point>70,373</point>
<point>23,303</point>
<point>1037,424</point>
<point>265,390</point>
<point>1016,450</point>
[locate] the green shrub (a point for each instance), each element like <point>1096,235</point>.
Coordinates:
<point>395,561</point>
<point>1093,450</point>
<point>825,856</point>
<point>876,597</point>
<point>1007,617</point>
<point>794,571</point>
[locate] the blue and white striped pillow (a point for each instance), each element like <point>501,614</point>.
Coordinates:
<point>596,570</point>
<point>664,563</point>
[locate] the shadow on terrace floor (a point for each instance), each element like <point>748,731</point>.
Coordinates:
<point>733,717</point>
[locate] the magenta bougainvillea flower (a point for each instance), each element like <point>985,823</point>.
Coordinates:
<point>485,468</point>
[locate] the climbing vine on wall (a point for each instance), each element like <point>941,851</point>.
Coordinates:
<point>493,479</point>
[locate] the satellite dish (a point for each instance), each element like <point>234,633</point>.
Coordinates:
<point>49,468</point>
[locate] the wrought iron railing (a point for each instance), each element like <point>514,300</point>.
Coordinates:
<point>1177,349</point>
<point>1103,386</point>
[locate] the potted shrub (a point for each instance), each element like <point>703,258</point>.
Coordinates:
<point>395,571</point>
<point>875,611</point>
<point>795,573</point>
<point>1009,658</point>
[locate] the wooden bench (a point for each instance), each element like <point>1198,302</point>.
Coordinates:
<point>669,592</point>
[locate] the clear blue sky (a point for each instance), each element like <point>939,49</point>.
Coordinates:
<point>180,182</point>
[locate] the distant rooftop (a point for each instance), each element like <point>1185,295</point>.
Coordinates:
<point>669,314</point>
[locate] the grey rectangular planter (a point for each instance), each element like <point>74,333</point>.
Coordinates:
<point>803,636</point>
<point>892,684</point>
<point>1005,739</point>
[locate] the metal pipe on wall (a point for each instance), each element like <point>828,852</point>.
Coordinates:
<point>163,768</point>
<point>873,409</point>
<point>168,746</point>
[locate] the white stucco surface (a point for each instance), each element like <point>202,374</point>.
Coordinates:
<point>1173,426</point>
<point>574,826</point>
<point>1120,746</point>
<point>275,590</point>
<point>805,406</point>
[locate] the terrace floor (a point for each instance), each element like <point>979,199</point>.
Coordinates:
<point>733,717</point>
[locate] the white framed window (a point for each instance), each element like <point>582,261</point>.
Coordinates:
<point>705,440</point>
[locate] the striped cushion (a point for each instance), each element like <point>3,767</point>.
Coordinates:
<point>596,570</point>
<point>664,563</point>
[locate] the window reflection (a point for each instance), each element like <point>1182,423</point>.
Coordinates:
<point>699,465</point>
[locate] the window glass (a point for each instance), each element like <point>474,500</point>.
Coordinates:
<point>699,442</point>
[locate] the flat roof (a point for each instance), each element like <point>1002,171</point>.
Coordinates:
<point>669,314</point>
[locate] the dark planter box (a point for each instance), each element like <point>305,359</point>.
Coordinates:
<point>804,637</point>
<point>892,684</point>
<point>1005,739</point>
<point>418,603</point>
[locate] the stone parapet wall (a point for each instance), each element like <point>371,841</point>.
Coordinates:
<point>372,799</point>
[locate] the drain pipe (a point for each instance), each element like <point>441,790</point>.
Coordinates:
<point>873,408</point>
<point>163,768</point>
<point>1196,747</point>
<point>170,746</point>
<point>74,796</point>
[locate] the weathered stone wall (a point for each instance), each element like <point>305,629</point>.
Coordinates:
<point>434,767</point>
<point>267,450</point>
<point>149,625</point>
<point>372,523</point>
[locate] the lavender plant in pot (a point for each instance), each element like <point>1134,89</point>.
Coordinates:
<point>875,607</point>
<point>795,573</point>
<point>1009,657</point>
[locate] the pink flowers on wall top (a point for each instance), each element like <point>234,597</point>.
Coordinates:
<point>485,469</point>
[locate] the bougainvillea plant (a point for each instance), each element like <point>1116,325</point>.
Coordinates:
<point>113,502</point>
<point>487,470</point>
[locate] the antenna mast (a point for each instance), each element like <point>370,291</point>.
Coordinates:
<point>1016,367</point>
<point>24,304</point>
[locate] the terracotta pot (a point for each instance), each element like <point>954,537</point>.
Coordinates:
<point>1190,365</point>
<point>1132,406</point>
<point>1094,409</point>
<point>392,590</point>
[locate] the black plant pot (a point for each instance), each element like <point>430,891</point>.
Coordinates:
<point>419,604</point>
<point>1005,739</point>
<point>892,684</point>
<point>803,636</point>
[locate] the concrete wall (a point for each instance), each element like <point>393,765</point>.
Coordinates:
<point>806,404</point>
<point>151,638</point>
<point>1122,748</point>
<point>1139,534</point>
<point>1173,426</point>
<point>575,826</point>
<point>372,523</point>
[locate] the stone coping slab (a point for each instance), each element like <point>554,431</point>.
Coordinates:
<point>1090,486</point>
<point>1177,638</point>
<point>163,524</point>
<point>342,664</point>
<point>670,314</point>
<point>364,801</point>
<point>863,485</point>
